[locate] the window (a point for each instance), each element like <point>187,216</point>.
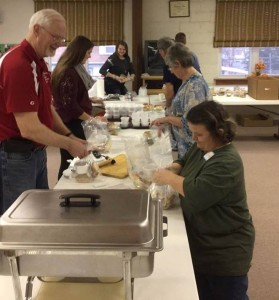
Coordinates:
<point>94,63</point>
<point>93,69</point>
<point>240,62</point>
<point>270,56</point>
<point>97,59</point>
<point>106,50</point>
<point>235,61</point>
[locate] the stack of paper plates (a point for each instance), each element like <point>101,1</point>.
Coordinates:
<point>156,100</point>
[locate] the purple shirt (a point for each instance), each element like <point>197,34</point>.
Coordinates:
<point>71,97</point>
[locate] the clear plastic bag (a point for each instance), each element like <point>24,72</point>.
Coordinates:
<point>97,135</point>
<point>165,193</point>
<point>161,140</point>
<point>140,166</point>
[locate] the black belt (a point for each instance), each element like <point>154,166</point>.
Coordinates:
<point>20,146</point>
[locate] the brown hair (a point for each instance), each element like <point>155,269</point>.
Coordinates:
<point>73,55</point>
<point>215,118</point>
<point>122,43</point>
<point>180,37</point>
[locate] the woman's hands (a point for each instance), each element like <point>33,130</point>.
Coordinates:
<point>173,120</point>
<point>159,121</point>
<point>114,77</point>
<point>97,100</point>
<point>125,79</point>
<point>122,78</point>
<point>169,176</point>
<point>161,176</point>
<point>174,168</point>
<point>118,78</point>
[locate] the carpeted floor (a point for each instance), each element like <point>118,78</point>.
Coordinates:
<point>260,154</point>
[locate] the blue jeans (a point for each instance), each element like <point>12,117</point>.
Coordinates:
<point>20,172</point>
<point>222,287</point>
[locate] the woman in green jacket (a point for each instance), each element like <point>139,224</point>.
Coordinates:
<point>211,185</point>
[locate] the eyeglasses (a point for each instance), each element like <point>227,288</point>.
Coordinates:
<point>55,38</point>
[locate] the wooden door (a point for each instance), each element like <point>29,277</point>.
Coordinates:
<point>137,51</point>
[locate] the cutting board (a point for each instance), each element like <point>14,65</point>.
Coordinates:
<point>117,170</point>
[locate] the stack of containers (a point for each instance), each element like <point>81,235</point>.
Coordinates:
<point>144,118</point>
<point>116,110</point>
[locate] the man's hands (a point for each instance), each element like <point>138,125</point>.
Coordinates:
<point>77,147</point>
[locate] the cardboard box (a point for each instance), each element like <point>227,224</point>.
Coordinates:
<point>263,88</point>
<point>259,120</point>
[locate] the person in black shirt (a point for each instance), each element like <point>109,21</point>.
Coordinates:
<point>118,69</point>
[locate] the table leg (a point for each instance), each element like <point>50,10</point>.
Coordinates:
<point>127,256</point>
<point>15,274</point>
<point>276,135</point>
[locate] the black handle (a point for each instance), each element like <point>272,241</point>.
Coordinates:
<point>165,221</point>
<point>67,200</point>
<point>98,154</point>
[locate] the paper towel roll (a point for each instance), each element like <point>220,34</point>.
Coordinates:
<point>100,88</point>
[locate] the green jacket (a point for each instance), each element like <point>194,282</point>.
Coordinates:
<point>219,226</point>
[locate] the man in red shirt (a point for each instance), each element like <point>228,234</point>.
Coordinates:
<point>28,122</point>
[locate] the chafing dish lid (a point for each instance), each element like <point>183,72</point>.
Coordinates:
<point>124,217</point>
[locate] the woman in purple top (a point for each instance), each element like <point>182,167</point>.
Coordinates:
<point>70,85</point>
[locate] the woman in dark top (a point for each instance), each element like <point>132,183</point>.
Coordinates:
<point>70,85</point>
<point>210,182</point>
<point>116,70</point>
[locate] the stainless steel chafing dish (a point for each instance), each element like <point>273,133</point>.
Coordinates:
<point>75,233</point>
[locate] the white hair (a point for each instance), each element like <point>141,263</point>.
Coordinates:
<point>45,17</point>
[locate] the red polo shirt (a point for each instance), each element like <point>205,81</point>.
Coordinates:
<point>24,87</point>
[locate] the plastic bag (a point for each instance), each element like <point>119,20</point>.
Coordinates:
<point>140,166</point>
<point>160,140</point>
<point>97,135</point>
<point>165,193</point>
